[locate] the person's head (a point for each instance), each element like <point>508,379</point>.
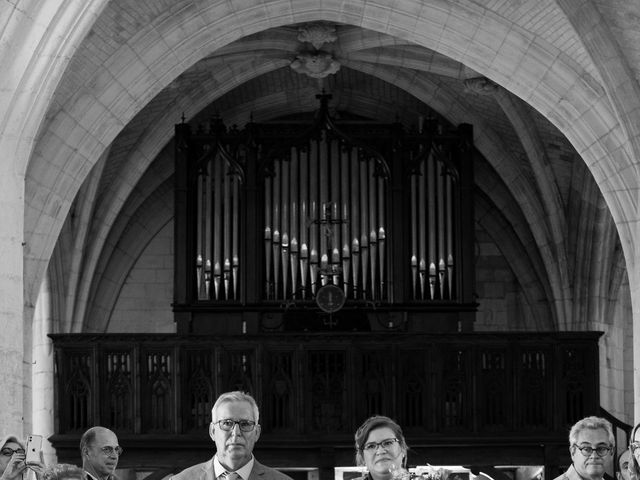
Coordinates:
<point>100,451</point>
<point>634,446</point>
<point>9,445</point>
<point>63,471</point>
<point>379,444</point>
<point>234,428</point>
<point>591,443</point>
<point>623,465</point>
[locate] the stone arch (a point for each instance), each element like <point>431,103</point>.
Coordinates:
<point>148,146</point>
<point>547,79</point>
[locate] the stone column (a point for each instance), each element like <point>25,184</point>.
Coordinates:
<point>42,371</point>
<point>634,287</point>
<point>11,298</point>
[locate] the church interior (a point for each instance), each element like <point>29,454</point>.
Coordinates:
<point>426,209</point>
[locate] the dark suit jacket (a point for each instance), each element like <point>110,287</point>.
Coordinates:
<point>204,471</point>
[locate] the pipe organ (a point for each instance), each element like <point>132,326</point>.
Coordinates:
<point>268,215</point>
<point>324,209</point>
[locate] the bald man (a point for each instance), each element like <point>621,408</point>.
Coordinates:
<point>100,453</point>
<point>623,465</point>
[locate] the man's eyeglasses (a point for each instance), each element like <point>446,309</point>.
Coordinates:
<point>7,452</point>
<point>386,444</point>
<point>633,446</point>
<point>228,424</point>
<point>588,450</point>
<point>111,451</point>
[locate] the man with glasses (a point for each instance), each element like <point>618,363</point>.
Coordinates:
<point>591,444</point>
<point>235,429</point>
<point>623,465</point>
<point>100,453</point>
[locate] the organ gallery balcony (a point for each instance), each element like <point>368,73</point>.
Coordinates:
<point>456,395</point>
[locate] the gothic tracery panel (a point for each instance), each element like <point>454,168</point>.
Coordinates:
<point>158,391</point>
<point>200,389</point>
<point>120,393</point>
<point>328,393</point>
<point>77,396</point>
<point>494,377</point>
<point>414,393</point>
<point>533,385</point>
<point>280,394</point>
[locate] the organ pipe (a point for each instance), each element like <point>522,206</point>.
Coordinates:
<point>421,222</point>
<point>344,238</point>
<point>276,229</point>
<point>217,227</point>
<point>354,224</point>
<point>294,220</point>
<point>364,227</point>
<point>284,251</point>
<point>235,267</point>
<point>226,232</point>
<point>267,235</point>
<point>207,219</point>
<point>200,232</point>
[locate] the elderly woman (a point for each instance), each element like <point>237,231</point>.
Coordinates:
<point>12,455</point>
<point>12,460</point>
<point>63,471</point>
<point>380,446</point>
<point>634,449</point>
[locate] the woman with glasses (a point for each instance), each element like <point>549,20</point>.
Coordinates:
<point>380,446</point>
<point>12,456</point>
<point>634,448</point>
<point>12,460</point>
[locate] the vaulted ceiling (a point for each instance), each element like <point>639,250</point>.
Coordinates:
<point>525,74</point>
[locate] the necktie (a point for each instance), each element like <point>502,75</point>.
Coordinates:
<point>230,476</point>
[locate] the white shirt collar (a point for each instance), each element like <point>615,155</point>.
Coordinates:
<point>244,471</point>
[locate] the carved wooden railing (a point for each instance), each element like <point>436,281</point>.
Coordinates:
<point>447,391</point>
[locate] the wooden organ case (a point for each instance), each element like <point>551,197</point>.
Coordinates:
<point>325,225</point>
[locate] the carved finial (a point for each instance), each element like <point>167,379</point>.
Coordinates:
<point>315,65</point>
<point>317,34</point>
<point>481,86</point>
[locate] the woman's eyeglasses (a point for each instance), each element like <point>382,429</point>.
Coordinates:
<point>7,452</point>
<point>385,444</point>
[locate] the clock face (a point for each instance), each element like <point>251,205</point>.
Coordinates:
<point>330,298</point>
